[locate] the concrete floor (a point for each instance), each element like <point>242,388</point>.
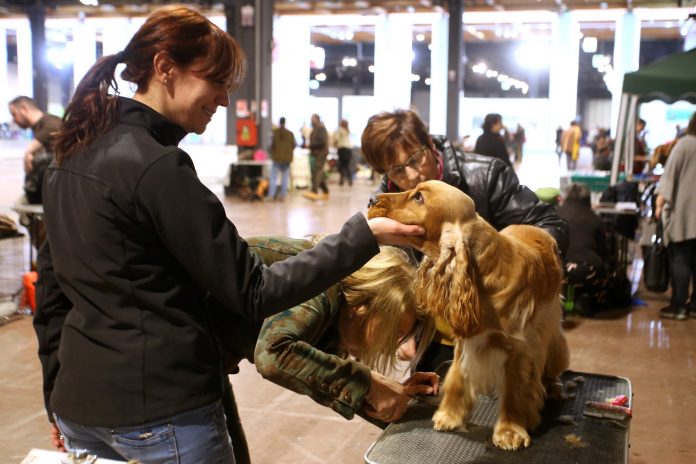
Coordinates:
<point>282,427</point>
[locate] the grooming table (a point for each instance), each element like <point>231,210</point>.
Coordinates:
<point>412,438</point>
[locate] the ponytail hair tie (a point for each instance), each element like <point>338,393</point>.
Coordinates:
<point>120,56</point>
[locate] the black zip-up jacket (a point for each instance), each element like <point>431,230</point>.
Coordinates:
<point>496,191</point>
<point>135,245</point>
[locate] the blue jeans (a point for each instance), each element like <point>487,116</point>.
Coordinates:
<point>284,170</point>
<point>682,263</point>
<point>198,436</point>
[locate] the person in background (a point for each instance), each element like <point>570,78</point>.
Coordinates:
<point>37,156</point>
<point>318,151</point>
<point>570,141</point>
<point>345,152</point>
<point>491,143</point>
<point>559,146</point>
<point>675,206</point>
<point>640,158</point>
<point>338,347</point>
<point>584,261</point>
<point>601,150</point>
<point>136,244</point>
<point>397,144</point>
<point>519,138</point>
<point>282,148</point>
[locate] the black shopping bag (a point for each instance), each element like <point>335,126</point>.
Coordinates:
<point>656,264</point>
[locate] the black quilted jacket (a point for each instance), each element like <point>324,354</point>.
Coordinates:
<point>496,191</point>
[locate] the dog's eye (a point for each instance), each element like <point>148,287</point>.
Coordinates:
<point>417,197</point>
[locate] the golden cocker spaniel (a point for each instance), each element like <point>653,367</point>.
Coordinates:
<point>500,293</point>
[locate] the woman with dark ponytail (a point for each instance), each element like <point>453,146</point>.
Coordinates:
<point>136,245</point>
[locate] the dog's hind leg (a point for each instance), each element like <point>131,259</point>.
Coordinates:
<point>557,361</point>
<point>458,398</point>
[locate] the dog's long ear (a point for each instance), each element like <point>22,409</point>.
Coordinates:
<point>448,288</point>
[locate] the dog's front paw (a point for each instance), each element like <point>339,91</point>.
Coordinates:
<point>511,437</point>
<point>445,421</point>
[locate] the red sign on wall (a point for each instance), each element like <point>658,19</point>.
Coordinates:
<point>246,133</point>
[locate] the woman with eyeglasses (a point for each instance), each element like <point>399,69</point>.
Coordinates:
<point>397,144</point>
<point>338,347</point>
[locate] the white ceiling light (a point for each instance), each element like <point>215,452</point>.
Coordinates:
<point>479,68</point>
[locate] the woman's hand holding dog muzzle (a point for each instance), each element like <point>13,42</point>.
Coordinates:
<point>390,232</point>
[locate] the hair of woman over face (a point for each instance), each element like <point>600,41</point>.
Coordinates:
<point>691,128</point>
<point>185,35</point>
<point>386,132</point>
<point>385,287</point>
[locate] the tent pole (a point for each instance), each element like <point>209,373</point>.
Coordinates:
<point>630,144</point>
<point>619,139</point>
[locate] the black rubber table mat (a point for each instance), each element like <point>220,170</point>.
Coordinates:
<point>412,438</point>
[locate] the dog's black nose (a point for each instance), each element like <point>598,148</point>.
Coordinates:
<point>373,200</point>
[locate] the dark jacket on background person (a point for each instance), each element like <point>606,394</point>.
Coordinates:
<point>586,232</point>
<point>496,191</point>
<point>491,144</point>
<point>136,244</point>
<point>319,140</point>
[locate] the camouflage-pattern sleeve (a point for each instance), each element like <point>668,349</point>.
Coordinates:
<point>287,351</point>
<point>291,349</point>
<point>286,354</point>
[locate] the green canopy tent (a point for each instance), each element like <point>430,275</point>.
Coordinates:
<point>669,79</point>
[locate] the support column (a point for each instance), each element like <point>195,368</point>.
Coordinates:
<point>393,59</point>
<point>563,72</point>
<point>291,59</point>
<point>231,27</point>
<point>25,74</point>
<point>626,59</point>
<point>246,24</point>
<point>37,19</point>
<point>4,97</point>
<point>438,75</point>
<point>84,49</point>
<point>455,72</point>
<point>264,78</point>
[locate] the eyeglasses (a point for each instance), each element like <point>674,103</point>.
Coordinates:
<point>415,333</point>
<point>414,162</point>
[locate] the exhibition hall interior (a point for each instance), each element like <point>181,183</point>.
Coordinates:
<point>547,149</point>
